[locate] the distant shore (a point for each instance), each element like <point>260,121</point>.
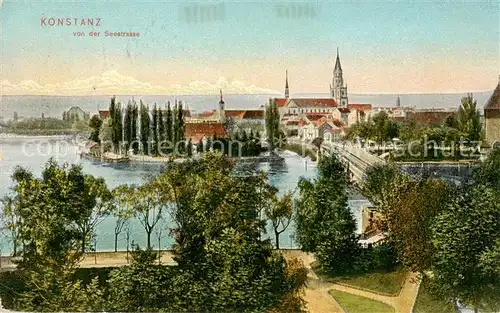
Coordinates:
<point>15,136</point>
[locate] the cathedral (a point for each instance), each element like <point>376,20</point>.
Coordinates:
<point>337,89</point>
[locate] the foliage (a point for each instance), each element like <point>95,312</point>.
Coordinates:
<point>488,173</point>
<point>272,123</point>
<point>143,202</point>
<point>296,277</point>
<point>95,125</point>
<point>39,124</point>
<point>279,211</point>
<point>115,116</point>
<point>49,209</point>
<point>317,142</point>
<point>468,118</point>
<point>409,207</point>
<point>324,222</point>
<point>144,128</point>
<point>467,243</point>
<point>105,134</point>
<point>49,213</point>
<point>53,289</point>
<point>143,286</point>
<point>226,266</point>
<point>378,179</point>
<point>379,128</point>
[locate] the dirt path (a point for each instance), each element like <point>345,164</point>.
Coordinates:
<point>319,300</point>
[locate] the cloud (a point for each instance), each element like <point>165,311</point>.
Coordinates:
<point>112,82</point>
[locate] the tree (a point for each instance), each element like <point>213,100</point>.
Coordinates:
<point>121,213</point>
<point>115,115</point>
<point>488,173</point>
<point>11,222</point>
<point>105,134</point>
<point>377,181</point>
<point>324,222</point>
<point>180,123</point>
<point>272,122</point>
<point>279,212</point>
<point>189,148</point>
<point>144,130</point>
<point>409,207</point>
<point>154,130</point>
<point>127,126</point>
<point>95,124</point>
<point>224,263</point>
<point>93,206</point>
<point>143,286</point>
<point>451,121</point>
<point>161,126</point>
<point>466,237</point>
<point>133,127</point>
<point>144,202</point>
<point>168,124</point>
<point>468,118</point>
<point>317,142</point>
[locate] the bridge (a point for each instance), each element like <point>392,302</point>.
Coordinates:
<point>355,159</point>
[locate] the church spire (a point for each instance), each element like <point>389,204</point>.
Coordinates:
<point>221,101</point>
<point>337,62</point>
<point>287,91</point>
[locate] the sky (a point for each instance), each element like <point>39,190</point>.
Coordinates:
<point>246,47</point>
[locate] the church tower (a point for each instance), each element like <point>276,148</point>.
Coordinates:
<point>287,91</point>
<point>337,90</point>
<point>221,113</point>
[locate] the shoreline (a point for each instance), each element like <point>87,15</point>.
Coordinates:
<point>15,136</point>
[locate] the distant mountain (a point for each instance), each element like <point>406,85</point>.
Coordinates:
<point>34,106</point>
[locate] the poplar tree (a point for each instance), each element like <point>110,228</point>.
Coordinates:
<point>175,123</point>
<point>272,123</point>
<point>133,127</point>
<point>154,130</point>
<point>145,122</point>
<point>161,125</point>
<point>168,123</point>
<point>180,127</point>
<point>127,126</point>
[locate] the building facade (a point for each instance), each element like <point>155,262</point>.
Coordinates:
<point>492,118</point>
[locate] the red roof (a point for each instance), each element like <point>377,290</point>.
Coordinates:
<point>314,102</point>
<point>235,113</point>
<point>254,115</point>
<point>103,113</point>
<point>196,131</point>
<point>281,102</point>
<point>360,107</point>
<point>205,114</point>
<point>337,123</point>
<point>494,101</point>
<point>344,110</point>
<point>429,117</point>
<point>314,117</point>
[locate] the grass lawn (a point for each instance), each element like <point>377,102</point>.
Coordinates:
<point>427,303</point>
<point>356,304</point>
<point>388,283</point>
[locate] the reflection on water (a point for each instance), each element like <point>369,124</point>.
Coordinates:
<point>284,175</point>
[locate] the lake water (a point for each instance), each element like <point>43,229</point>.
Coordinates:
<point>32,153</point>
